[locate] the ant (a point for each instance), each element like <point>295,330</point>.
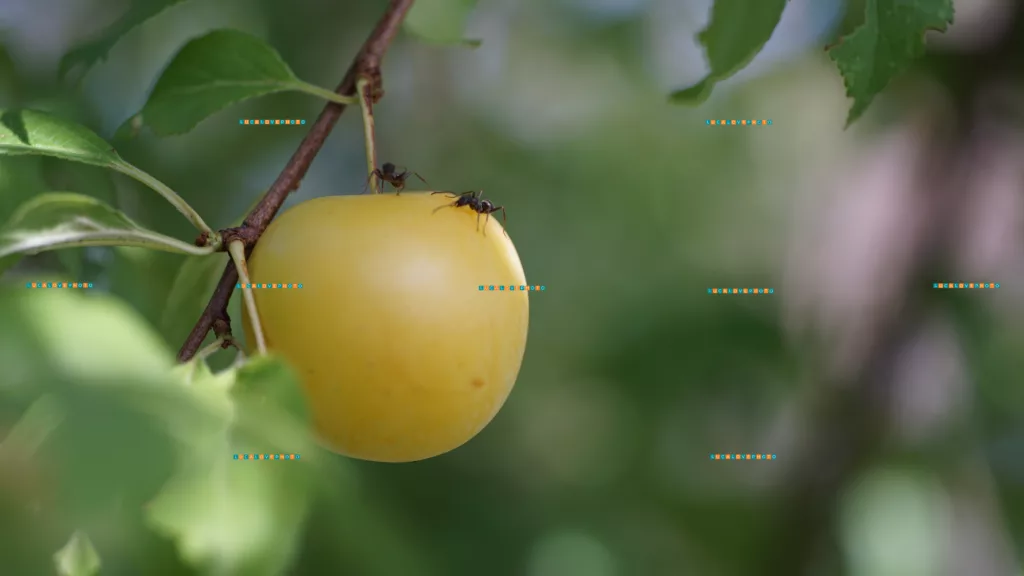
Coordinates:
<point>479,205</point>
<point>389,173</point>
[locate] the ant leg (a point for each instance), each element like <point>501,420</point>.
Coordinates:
<point>450,205</point>
<point>452,194</point>
<point>367,185</point>
<point>421,179</point>
<point>399,188</point>
<point>504,219</point>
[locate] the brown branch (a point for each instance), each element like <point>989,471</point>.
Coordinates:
<point>366,64</point>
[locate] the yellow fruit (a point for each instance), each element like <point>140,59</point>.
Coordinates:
<point>401,355</point>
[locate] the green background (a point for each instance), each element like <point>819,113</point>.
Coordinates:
<point>894,409</point>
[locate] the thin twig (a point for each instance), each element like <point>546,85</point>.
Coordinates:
<point>365,65</point>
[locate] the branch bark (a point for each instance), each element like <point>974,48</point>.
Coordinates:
<point>365,64</point>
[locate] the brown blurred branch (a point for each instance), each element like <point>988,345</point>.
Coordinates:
<point>365,64</point>
<point>850,426</point>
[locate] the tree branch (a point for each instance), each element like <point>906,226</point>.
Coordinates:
<point>366,64</point>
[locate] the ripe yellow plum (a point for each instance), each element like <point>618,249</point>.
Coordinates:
<point>402,357</point>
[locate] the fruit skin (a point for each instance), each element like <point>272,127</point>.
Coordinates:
<point>401,355</point>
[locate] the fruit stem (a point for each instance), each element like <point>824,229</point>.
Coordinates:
<point>363,90</point>
<point>237,250</point>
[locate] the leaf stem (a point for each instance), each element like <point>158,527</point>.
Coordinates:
<point>326,94</point>
<point>363,88</point>
<point>237,250</point>
<point>133,238</point>
<point>208,351</point>
<point>170,195</point>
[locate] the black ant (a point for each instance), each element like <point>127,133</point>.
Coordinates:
<point>388,172</point>
<point>479,205</point>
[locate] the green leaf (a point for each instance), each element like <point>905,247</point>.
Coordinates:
<point>738,30</point>
<point>20,178</point>
<point>34,132</point>
<point>441,21</point>
<point>891,37</point>
<point>35,426</point>
<point>209,74</point>
<point>57,220</point>
<point>270,384</point>
<point>78,557</point>
<point>112,411</point>
<point>242,516</point>
<point>92,52</point>
<point>193,284</point>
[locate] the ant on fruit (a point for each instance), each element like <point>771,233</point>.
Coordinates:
<point>474,200</point>
<point>389,173</point>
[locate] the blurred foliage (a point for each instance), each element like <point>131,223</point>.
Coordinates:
<point>441,21</point>
<point>98,49</point>
<point>626,208</point>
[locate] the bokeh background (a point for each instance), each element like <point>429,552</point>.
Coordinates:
<point>895,410</point>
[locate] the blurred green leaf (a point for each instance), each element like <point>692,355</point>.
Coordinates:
<point>91,181</point>
<point>20,179</point>
<point>64,219</point>
<point>209,74</point>
<point>92,52</point>
<point>738,30</point>
<point>270,384</point>
<point>194,283</point>
<point>34,132</point>
<point>78,557</point>
<point>892,522</point>
<point>211,507</point>
<point>441,21</point>
<point>100,367</point>
<point>35,426</point>
<point>891,37</point>
<point>94,181</point>
<point>37,346</point>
